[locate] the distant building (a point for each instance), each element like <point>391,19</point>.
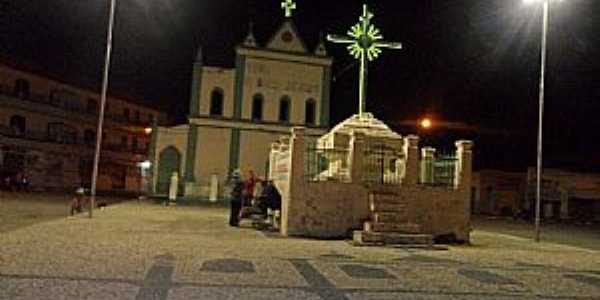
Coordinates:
<point>48,133</point>
<point>496,192</point>
<point>566,194</point>
<point>235,114</point>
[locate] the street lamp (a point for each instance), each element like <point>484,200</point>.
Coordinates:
<point>111,23</point>
<point>426,123</point>
<point>538,193</point>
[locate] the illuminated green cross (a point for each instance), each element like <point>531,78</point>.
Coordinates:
<point>288,6</point>
<point>365,43</point>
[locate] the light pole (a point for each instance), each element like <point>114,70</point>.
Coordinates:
<point>538,192</point>
<point>111,23</point>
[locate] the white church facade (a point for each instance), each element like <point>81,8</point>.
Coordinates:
<point>236,114</point>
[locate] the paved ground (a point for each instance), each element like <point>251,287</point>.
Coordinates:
<point>568,233</point>
<point>144,251</point>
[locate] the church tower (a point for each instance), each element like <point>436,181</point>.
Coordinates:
<point>235,114</point>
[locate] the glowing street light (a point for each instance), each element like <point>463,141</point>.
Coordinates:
<point>148,130</point>
<point>538,194</point>
<point>426,123</point>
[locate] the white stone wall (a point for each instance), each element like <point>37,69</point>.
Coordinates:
<point>212,154</point>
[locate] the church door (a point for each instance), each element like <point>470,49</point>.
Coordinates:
<point>168,162</point>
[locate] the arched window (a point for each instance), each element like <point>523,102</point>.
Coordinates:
<point>216,102</point>
<point>257,107</point>
<point>310,109</point>
<point>284,109</point>
<point>22,88</point>
<point>89,137</point>
<point>18,124</point>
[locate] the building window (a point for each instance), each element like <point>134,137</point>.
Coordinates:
<point>284,109</point>
<point>60,133</point>
<point>126,113</point>
<point>134,144</point>
<point>309,112</point>
<point>92,106</point>
<point>257,107</point>
<point>216,102</point>
<point>137,117</point>
<point>124,142</point>
<point>18,125</point>
<point>89,137</point>
<point>22,88</point>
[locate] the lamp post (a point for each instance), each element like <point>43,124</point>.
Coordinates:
<point>538,192</point>
<point>111,23</point>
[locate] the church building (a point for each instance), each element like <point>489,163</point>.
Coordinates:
<point>236,114</point>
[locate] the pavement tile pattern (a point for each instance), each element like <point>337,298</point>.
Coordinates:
<point>143,251</point>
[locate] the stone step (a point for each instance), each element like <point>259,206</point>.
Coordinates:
<point>384,207</point>
<point>363,238</point>
<point>409,228</point>
<point>390,217</point>
<point>387,199</point>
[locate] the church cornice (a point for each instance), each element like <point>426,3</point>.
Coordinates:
<point>245,124</point>
<point>285,56</point>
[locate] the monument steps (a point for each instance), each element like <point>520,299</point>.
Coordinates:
<point>377,207</point>
<point>404,228</point>
<point>364,238</point>
<point>390,217</point>
<point>389,224</point>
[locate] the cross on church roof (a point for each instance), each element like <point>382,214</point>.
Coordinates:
<point>288,6</point>
<point>365,43</point>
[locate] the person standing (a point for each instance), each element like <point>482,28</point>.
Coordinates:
<point>237,189</point>
<point>77,201</point>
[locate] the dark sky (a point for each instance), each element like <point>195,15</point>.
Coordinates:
<point>469,61</point>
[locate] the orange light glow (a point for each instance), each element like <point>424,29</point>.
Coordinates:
<point>426,123</point>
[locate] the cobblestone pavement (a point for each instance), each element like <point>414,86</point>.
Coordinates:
<point>144,251</point>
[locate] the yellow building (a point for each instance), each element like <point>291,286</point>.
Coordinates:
<point>235,114</point>
<point>48,133</point>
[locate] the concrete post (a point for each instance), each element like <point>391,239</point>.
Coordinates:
<point>272,159</point>
<point>462,181</point>
<point>356,156</point>
<point>464,165</point>
<point>427,160</point>
<point>292,203</point>
<point>411,153</point>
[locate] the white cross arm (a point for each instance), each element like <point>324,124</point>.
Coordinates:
<point>340,39</point>
<point>390,45</point>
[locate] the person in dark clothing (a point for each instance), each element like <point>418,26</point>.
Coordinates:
<point>273,196</point>
<point>236,198</point>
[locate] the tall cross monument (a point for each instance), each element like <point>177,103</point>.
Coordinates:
<point>365,43</point>
<point>288,6</point>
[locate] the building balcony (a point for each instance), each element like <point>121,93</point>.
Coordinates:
<point>45,104</point>
<point>44,137</point>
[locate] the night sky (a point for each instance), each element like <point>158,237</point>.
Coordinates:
<point>474,62</point>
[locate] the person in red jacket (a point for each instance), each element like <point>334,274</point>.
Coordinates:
<point>249,186</point>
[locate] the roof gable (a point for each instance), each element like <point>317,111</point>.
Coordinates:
<point>287,39</point>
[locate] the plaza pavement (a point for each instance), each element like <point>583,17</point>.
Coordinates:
<point>145,251</point>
